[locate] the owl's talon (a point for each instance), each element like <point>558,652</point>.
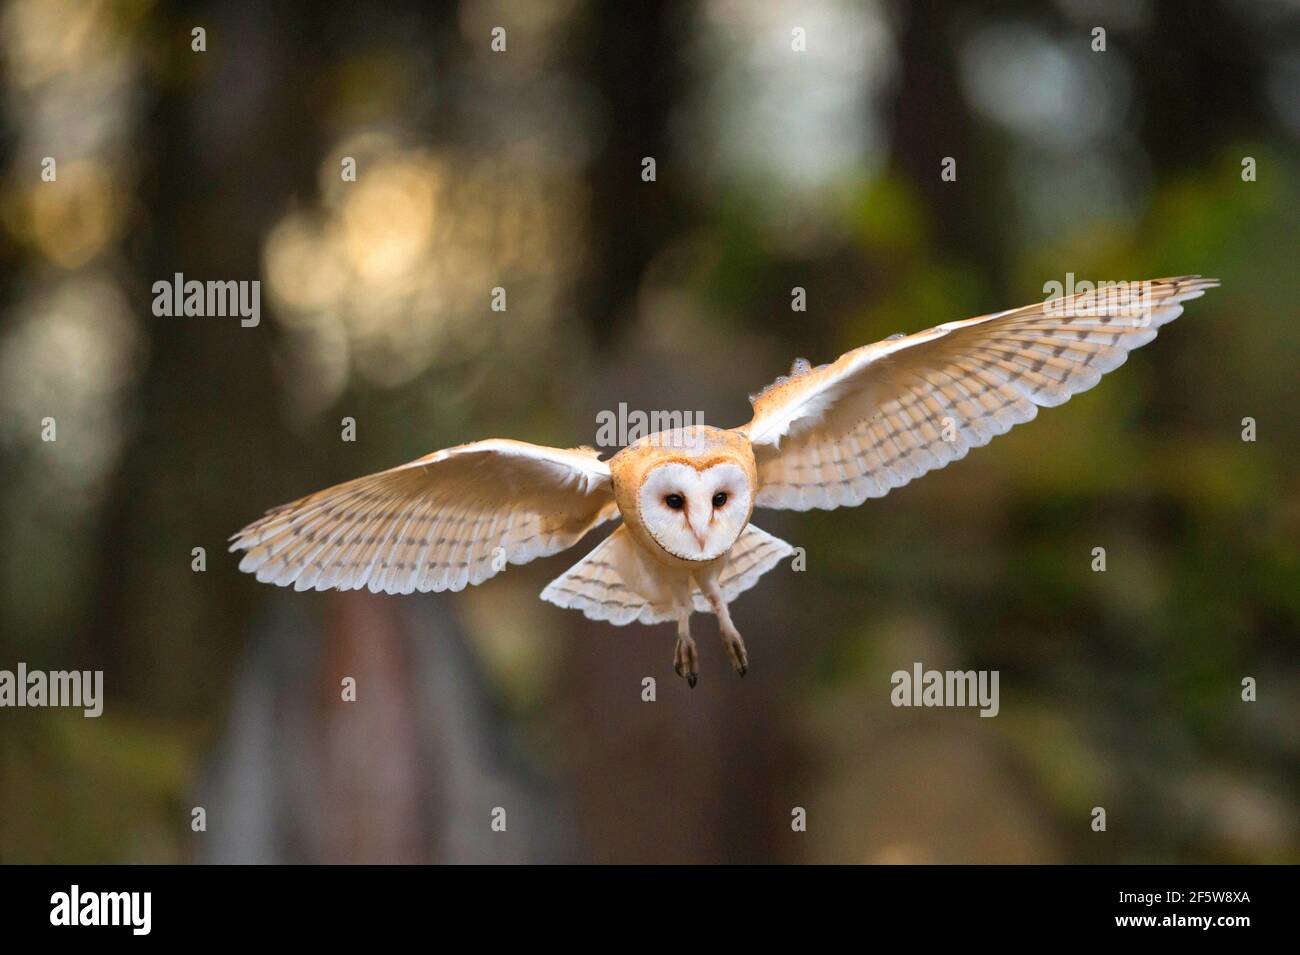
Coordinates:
<point>686,660</point>
<point>736,650</point>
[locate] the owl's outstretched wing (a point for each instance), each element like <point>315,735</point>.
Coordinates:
<point>451,518</point>
<point>886,413</point>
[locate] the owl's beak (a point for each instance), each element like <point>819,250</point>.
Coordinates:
<point>695,531</point>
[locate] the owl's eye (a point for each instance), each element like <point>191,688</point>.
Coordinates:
<point>675,501</point>
<point>720,499</point>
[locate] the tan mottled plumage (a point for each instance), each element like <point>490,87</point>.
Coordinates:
<point>824,437</point>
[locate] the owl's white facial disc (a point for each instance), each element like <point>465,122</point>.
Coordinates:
<point>695,515</point>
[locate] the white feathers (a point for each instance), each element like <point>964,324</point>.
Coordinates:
<point>442,522</point>
<point>887,413</point>
<point>755,553</point>
<point>679,507</point>
<point>619,583</point>
<point>602,584</point>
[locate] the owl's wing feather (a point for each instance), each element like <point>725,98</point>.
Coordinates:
<point>886,413</point>
<point>435,523</point>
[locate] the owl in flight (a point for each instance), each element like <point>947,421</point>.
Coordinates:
<point>823,437</point>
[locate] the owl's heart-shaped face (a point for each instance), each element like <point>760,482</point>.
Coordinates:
<point>695,514</point>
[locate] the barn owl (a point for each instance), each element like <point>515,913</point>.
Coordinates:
<point>824,437</point>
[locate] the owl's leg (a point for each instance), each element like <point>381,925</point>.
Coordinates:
<point>686,658</point>
<point>730,635</point>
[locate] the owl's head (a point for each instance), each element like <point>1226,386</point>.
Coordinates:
<point>695,511</point>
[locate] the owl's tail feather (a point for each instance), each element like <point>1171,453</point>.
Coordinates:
<point>603,585</point>
<point>616,583</point>
<point>752,556</point>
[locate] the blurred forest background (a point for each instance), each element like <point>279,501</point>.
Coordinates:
<point>522,169</point>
